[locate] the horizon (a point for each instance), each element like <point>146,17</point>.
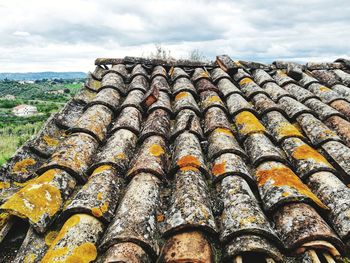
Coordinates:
<point>68,35</point>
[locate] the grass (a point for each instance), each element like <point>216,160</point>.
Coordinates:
<point>14,136</point>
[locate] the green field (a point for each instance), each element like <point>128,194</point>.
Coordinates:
<point>14,130</point>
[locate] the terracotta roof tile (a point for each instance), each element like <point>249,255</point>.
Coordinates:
<point>183,161</point>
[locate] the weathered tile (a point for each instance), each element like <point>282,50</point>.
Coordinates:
<point>134,220</point>
<point>98,197</point>
<point>279,185</point>
<point>77,240</point>
<point>74,155</point>
<point>190,204</point>
<point>190,246</point>
<point>304,158</point>
<point>41,199</point>
<point>299,223</point>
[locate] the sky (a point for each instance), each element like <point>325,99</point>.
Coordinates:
<point>67,35</point>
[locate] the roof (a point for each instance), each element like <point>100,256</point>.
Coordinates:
<point>185,161</point>
<point>23,106</point>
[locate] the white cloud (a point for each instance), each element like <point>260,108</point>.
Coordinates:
<point>69,34</point>
<point>21,34</point>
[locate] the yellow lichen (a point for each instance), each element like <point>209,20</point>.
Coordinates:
<point>96,84</point>
<point>4,185</point>
<point>204,74</point>
<point>285,129</point>
<point>248,220</point>
<point>54,255</point>
<point>50,237</point>
<point>121,156</point>
<point>285,194</point>
<point>224,130</point>
<point>181,95</point>
<point>50,141</point>
<point>30,258</point>
<point>4,217</point>
<point>71,222</point>
<point>99,196</point>
<point>171,72</point>
<point>307,152</point>
<point>245,81</point>
<point>35,199</point>
<point>156,150</point>
<point>101,169</point>
<point>84,253</point>
<point>283,176</point>
<point>248,123</point>
<point>324,89</point>
<point>22,165</point>
<point>281,73</point>
<point>213,99</point>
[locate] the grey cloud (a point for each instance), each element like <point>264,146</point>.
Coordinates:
<point>69,34</point>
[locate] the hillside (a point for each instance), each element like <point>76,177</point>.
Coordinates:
<point>47,96</point>
<point>42,75</point>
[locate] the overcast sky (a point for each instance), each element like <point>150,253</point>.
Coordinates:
<point>67,35</point>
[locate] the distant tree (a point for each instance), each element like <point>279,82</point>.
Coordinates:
<point>160,52</point>
<point>67,91</point>
<point>196,55</point>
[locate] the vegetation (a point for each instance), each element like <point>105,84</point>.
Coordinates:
<point>161,52</point>
<point>47,95</point>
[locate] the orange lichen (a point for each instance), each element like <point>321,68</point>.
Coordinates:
<point>160,218</point>
<point>245,81</point>
<point>50,141</point>
<point>101,169</point>
<point>21,166</point>
<point>96,211</point>
<point>219,168</point>
<point>224,130</point>
<point>285,129</point>
<point>4,185</point>
<point>283,176</point>
<point>36,199</point>
<point>50,237</point>
<point>30,258</point>
<point>181,95</point>
<point>188,168</point>
<point>156,150</point>
<point>307,152</point>
<point>248,123</point>
<point>99,210</point>
<point>188,160</point>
